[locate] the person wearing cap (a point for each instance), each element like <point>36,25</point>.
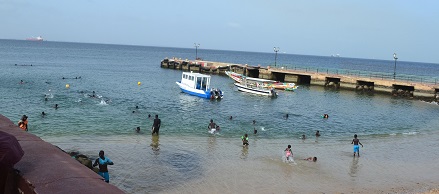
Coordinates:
<point>22,123</point>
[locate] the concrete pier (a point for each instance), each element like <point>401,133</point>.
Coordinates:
<point>360,81</point>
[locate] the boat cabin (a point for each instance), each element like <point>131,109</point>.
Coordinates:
<point>196,80</point>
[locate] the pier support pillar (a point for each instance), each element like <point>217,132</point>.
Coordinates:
<point>333,82</point>
<point>403,90</point>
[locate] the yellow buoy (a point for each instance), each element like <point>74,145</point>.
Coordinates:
<point>67,85</point>
<point>139,83</point>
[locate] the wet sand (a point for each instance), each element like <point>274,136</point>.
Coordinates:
<point>389,164</point>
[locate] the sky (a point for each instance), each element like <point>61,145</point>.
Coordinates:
<point>373,29</point>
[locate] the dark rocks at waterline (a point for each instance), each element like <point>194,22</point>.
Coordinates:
<point>84,160</point>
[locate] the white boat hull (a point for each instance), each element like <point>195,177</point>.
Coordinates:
<point>259,91</point>
<point>200,93</point>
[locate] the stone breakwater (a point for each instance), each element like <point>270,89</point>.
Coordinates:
<point>45,168</point>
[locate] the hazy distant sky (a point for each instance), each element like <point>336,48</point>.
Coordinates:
<point>373,29</point>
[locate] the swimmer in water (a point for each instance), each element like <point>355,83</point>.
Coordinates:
<point>314,159</point>
<point>138,129</point>
<point>318,133</point>
<point>43,114</point>
<point>56,106</point>
<point>325,116</point>
<point>231,118</point>
<point>93,95</point>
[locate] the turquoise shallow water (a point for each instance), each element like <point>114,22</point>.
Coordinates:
<point>187,151</point>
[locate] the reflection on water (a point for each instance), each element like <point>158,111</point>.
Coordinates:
<point>155,144</point>
<point>211,145</point>
<point>353,170</point>
<point>244,153</point>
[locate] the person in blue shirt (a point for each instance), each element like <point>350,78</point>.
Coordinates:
<point>103,161</point>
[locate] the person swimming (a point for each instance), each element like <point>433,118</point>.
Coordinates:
<point>314,159</point>
<point>56,106</point>
<point>93,94</point>
<point>325,116</point>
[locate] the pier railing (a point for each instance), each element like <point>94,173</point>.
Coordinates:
<point>366,74</point>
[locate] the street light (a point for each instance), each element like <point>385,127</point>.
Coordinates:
<point>196,50</point>
<point>394,69</point>
<point>276,49</point>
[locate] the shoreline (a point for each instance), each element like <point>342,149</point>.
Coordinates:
<point>210,162</point>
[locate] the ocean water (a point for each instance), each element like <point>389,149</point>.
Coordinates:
<point>397,133</point>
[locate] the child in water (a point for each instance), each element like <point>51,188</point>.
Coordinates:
<point>356,141</point>
<point>288,152</point>
<point>244,140</point>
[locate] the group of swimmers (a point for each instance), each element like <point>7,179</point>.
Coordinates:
<point>213,127</point>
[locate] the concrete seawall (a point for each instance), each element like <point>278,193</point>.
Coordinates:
<point>45,168</point>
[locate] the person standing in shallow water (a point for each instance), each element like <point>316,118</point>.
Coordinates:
<point>156,125</point>
<point>356,141</point>
<point>212,125</point>
<point>244,139</point>
<point>103,162</point>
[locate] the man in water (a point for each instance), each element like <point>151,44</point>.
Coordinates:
<point>103,161</point>
<point>356,141</point>
<point>212,125</point>
<point>156,125</point>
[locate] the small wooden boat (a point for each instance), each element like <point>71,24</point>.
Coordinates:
<point>269,84</point>
<point>256,86</point>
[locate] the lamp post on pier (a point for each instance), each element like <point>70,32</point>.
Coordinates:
<point>276,49</point>
<point>196,50</point>
<point>394,68</point>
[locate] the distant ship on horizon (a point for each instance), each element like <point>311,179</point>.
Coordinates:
<point>38,38</point>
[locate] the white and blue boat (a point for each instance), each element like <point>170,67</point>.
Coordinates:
<point>198,84</point>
